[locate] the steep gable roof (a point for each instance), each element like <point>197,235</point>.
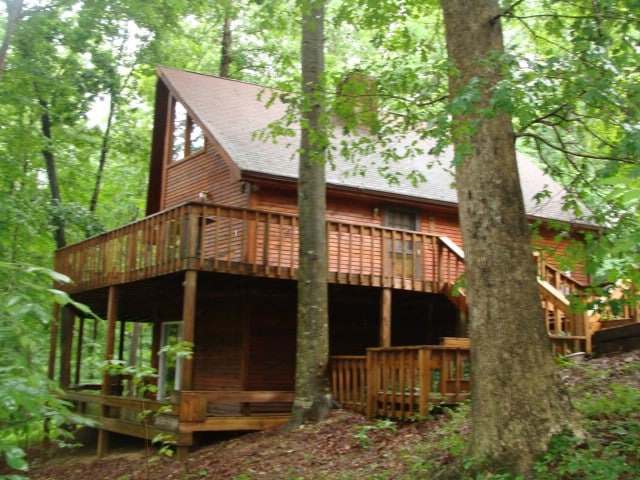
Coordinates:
<point>232,112</point>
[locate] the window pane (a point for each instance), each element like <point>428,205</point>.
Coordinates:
<point>179,132</point>
<point>401,219</point>
<point>196,139</point>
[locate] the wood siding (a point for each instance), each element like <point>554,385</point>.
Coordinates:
<point>204,172</point>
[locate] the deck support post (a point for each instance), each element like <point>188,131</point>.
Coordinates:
<point>188,323</point>
<point>385,318</point>
<point>112,316</point>
<point>51,371</point>
<point>66,341</point>
<point>53,342</point>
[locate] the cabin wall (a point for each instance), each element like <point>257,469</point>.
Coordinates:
<point>206,172</point>
<point>420,319</point>
<point>555,247</point>
<point>245,332</point>
<point>217,355</point>
<point>272,338</point>
<point>354,314</point>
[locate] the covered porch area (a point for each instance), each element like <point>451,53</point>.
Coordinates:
<point>240,374</point>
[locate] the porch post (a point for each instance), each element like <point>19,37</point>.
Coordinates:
<point>53,342</point>
<point>66,340</point>
<point>188,324</point>
<point>385,318</point>
<point>112,316</point>
<point>155,341</point>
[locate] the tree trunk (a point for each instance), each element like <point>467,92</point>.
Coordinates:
<point>14,9</point>
<point>52,174</point>
<point>225,54</point>
<point>312,400</point>
<point>104,151</point>
<point>518,402</point>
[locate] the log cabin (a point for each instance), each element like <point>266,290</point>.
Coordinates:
<point>213,263</point>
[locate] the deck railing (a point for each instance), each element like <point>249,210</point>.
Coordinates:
<point>402,382</point>
<point>349,381</point>
<point>574,314</point>
<point>260,243</point>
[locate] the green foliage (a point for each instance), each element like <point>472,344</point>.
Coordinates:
<point>619,401</point>
<point>362,432</point>
<point>27,396</point>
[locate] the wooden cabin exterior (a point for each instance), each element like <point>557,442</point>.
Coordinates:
<point>214,263</point>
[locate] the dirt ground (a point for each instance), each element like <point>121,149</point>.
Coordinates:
<point>344,447</point>
<point>346,442</point>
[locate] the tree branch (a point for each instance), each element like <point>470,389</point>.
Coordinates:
<point>566,151</point>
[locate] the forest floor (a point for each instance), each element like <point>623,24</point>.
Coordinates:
<point>347,446</point>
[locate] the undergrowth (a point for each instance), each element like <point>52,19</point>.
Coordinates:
<point>610,409</point>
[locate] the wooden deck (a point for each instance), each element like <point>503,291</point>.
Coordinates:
<point>206,237</point>
<point>215,238</point>
<point>176,422</point>
<point>394,382</point>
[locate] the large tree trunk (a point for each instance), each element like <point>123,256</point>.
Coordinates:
<point>312,400</point>
<point>518,402</point>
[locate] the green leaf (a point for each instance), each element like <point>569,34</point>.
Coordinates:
<point>15,457</point>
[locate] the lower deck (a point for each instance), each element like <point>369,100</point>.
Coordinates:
<point>397,382</point>
<point>236,369</point>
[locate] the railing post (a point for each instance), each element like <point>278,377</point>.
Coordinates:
<point>112,315</point>
<point>385,317</point>
<point>424,372</point>
<point>191,236</point>
<point>439,266</point>
<point>372,385</point>
<point>265,242</point>
<point>188,324</point>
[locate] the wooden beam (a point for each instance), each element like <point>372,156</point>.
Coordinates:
<point>66,341</point>
<point>80,338</point>
<point>385,318</point>
<point>229,423</point>
<point>53,342</point>
<point>112,316</point>
<point>188,323</point>
<point>156,338</point>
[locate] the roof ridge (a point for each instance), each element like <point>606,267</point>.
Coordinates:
<point>160,68</point>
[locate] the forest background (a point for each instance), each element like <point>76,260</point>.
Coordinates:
<point>77,81</point>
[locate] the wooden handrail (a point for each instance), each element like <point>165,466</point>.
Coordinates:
<point>122,402</point>
<point>556,278</point>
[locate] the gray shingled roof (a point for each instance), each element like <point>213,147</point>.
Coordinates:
<point>231,112</point>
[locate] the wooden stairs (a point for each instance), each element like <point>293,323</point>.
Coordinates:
<point>570,323</point>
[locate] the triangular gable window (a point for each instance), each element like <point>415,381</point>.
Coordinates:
<point>187,137</point>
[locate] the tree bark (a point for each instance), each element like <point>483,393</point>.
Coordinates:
<point>104,151</point>
<point>14,10</point>
<point>312,399</point>
<point>52,174</point>
<point>518,402</point>
<point>225,54</point>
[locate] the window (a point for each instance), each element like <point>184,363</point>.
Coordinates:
<point>170,365</point>
<point>187,136</point>
<point>403,252</point>
<point>401,219</point>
